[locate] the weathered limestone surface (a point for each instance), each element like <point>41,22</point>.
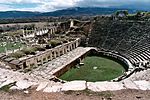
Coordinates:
<point>130,84</point>
<point>55,88</point>
<point>41,86</point>
<point>142,75</point>
<point>20,80</point>
<point>74,85</point>
<point>24,84</point>
<point>104,86</point>
<point>143,85</point>
<point>139,80</point>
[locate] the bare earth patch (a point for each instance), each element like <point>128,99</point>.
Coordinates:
<point>79,95</point>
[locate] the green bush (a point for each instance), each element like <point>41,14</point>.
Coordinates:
<point>41,41</point>
<point>29,50</point>
<point>18,54</point>
<point>7,87</point>
<point>38,48</point>
<point>55,43</point>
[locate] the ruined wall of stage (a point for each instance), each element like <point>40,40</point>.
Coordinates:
<point>39,32</point>
<point>50,54</point>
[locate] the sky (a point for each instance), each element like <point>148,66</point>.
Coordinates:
<point>52,5</point>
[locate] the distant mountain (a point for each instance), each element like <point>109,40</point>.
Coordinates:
<point>65,12</point>
<point>84,11</point>
<point>18,14</point>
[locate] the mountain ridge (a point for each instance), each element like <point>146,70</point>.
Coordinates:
<point>74,11</point>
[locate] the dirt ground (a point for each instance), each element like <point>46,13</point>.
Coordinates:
<point>79,95</point>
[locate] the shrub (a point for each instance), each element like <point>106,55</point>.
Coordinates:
<point>38,48</point>
<point>55,43</point>
<point>29,50</point>
<point>41,41</point>
<point>18,54</point>
<point>7,87</point>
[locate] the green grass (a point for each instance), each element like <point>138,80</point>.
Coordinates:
<point>9,46</point>
<point>6,88</point>
<point>106,70</point>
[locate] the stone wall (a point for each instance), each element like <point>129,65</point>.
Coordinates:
<point>40,32</point>
<point>72,63</point>
<point>50,54</point>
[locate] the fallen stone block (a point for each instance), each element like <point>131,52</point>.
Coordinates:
<point>14,88</point>
<point>74,85</point>
<point>130,84</point>
<point>42,86</point>
<point>104,86</point>
<point>26,92</point>
<point>24,84</point>
<point>92,86</point>
<point>53,88</point>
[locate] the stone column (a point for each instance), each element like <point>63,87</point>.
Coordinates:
<point>58,51</point>
<point>70,47</point>
<point>42,60</point>
<point>42,31</point>
<point>55,54</point>
<point>77,44</point>
<point>71,23</point>
<point>48,34</point>
<point>51,57</point>
<point>23,33</point>
<point>35,63</point>
<point>51,31</point>
<point>29,66</point>
<point>46,57</point>
<point>73,46</point>
<point>63,50</point>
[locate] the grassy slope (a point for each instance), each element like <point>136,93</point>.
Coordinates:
<point>9,46</point>
<point>106,70</point>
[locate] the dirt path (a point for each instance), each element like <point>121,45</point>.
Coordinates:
<point>82,95</point>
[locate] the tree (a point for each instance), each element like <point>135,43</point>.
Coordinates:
<point>125,12</point>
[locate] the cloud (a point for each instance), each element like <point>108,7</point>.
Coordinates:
<point>5,7</point>
<point>110,3</point>
<point>41,5</point>
<point>20,1</point>
<point>51,5</point>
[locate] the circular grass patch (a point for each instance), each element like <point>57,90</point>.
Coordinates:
<point>94,69</point>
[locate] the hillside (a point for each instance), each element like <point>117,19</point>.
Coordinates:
<point>65,12</point>
<point>83,11</point>
<point>17,14</point>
